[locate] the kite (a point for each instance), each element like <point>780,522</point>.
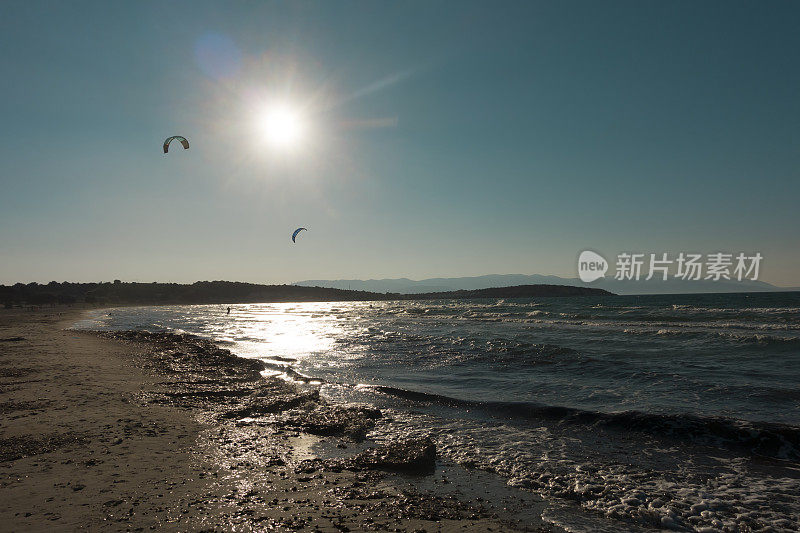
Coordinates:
<point>298,230</point>
<point>183,141</point>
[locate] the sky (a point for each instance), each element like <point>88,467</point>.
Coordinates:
<point>436,139</point>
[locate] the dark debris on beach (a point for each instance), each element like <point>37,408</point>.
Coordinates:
<point>232,387</point>
<point>251,423</point>
<point>14,448</point>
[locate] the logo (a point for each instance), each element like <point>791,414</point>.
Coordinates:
<point>591,266</point>
<point>685,266</point>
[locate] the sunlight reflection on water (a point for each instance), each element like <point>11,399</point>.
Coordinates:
<point>286,330</point>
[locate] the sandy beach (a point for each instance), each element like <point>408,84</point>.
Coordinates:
<point>133,431</point>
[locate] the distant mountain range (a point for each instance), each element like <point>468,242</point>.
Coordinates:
<point>671,286</point>
<point>493,286</point>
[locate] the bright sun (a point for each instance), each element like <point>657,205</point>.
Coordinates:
<point>282,126</point>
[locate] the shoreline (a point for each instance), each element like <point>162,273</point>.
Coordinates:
<point>138,430</point>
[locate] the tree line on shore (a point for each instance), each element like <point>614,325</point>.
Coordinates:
<point>214,292</point>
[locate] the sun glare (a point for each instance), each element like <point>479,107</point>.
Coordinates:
<point>282,126</point>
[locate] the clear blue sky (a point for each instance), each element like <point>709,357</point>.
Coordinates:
<point>443,138</point>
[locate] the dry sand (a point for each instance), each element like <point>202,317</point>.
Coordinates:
<point>135,432</point>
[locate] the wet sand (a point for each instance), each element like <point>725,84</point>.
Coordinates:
<point>135,431</point>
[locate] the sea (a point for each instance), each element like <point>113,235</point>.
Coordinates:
<point>625,413</point>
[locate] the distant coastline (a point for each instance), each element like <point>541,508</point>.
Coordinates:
<point>611,284</point>
<point>223,292</point>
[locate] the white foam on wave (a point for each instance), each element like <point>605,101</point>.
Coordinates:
<point>738,497</point>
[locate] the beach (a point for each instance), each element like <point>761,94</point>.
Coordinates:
<point>137,431</point>
<point>620,412</point>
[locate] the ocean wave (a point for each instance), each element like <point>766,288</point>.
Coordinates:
<point>759,338</point>
<point>608,475</point>
<point>744,338</point>
<point>537,312</point>
<point>773,440</point>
